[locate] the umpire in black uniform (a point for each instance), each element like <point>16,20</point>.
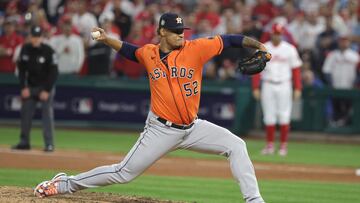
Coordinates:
<point>38,71</point>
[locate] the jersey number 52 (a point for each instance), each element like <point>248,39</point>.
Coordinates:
<point>191,88</point>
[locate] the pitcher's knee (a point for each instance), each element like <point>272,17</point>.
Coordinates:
<point>125,175</point>
<point>238,147</point>
<point>239,143</point>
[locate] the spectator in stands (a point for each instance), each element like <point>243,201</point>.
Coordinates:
<point>340,67</point>
<point>264,10</point>
<point>148,17</point>
<point>2,20</point>
<point>37,74</point>
<point>310,5</point>
<point>296,25</point>
<point>53,10</point>
<point>36,14</point>
<point>12,10</point>
<point>251,27</point>
<point>289,11</point>
<point>84,21</point>
<point>130,8</point>
<point>309,79</point>
<point>97,8</point>
<point>126,68</point>
<point>325,43</point>
<point>122,20</point>
<point>69,48</point>
<point>355,29</point>
<point>286,36</point>
<point>208,10</point>
<point>8,42</point>
<point>309,30</point>
<point>100,56</point>
<point>203,29</point>
<point>107,23</point>
<point>229,23</point>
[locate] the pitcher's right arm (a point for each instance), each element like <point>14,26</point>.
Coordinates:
<point>125,49</point>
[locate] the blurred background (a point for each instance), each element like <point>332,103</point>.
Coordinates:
<point>98,88</point>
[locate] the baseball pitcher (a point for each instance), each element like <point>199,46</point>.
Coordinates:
<point>174,68</point>
<point>278,79</point>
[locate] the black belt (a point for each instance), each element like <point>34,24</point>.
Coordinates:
<point>173,125</point>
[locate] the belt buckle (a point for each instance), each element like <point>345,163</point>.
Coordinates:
<point>168,123</point>
<point>185,127</point>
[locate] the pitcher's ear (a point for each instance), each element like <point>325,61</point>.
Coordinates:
<point>161,32</point>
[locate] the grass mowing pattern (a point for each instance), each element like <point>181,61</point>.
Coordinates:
<point>205,190</point>
<point>344,155</point>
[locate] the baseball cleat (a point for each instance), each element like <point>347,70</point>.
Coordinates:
<point>48,187</point>
<point>268,150</point>
<point>283,151</point>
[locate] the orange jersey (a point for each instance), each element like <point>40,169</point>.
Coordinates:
<point>175,88</point>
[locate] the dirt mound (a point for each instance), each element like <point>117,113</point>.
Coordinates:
<point>9,194</point>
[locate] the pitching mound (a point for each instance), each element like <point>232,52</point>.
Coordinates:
<point>9,194</point>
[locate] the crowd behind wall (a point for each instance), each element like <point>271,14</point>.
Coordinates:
<point>314,27</point>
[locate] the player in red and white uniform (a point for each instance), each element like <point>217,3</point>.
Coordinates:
<point>281,76</point>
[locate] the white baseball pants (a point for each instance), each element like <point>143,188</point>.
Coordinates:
<point>276,102</point>
<point>157,140</point>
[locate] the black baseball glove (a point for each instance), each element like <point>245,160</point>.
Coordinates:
<point>254,64</point>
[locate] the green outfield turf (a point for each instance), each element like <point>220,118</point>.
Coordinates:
<point>206,190</point>
<point>299,153</point>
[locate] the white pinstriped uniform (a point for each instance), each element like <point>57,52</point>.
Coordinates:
<point>276,91</point>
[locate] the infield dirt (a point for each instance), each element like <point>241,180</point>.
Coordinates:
<point>167,166</point>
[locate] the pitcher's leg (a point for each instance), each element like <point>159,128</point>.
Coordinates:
<point>151,145</point>
<point>210,138</point>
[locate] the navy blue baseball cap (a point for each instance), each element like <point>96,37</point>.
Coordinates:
<point>36,31</point>
<point>172,21</point>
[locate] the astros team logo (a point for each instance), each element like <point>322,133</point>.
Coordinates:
<point>178,20</point>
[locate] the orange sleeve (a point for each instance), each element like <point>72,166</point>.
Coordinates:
<point>208,47</point>
<point>139,53</point>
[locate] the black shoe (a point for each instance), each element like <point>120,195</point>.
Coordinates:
<point>21,147</point>
<point>49,148</point>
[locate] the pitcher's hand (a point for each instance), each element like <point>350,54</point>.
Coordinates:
<point>102,37</point>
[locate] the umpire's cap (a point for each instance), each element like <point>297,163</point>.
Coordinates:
<point>36,31</point>
<point>171,21</point>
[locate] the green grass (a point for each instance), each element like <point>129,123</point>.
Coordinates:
<point>192,189</point>
<point>342,155</point>
<point>206,190</point>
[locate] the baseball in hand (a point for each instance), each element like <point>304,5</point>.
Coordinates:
<point>95,34</point>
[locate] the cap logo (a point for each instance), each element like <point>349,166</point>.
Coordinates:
<point>178,20</point>
<point>37,29</point>
<point>162,22</point>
